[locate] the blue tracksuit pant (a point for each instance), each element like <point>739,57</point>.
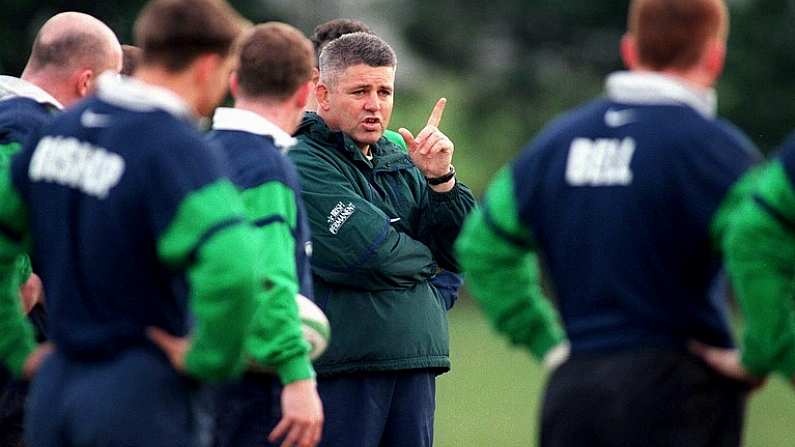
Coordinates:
<point>134,399</point>
<point>244,412</point>
<point>383,409</point>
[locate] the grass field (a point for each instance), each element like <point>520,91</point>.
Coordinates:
<point>492,395</point>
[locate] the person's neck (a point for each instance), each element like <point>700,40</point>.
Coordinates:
<point>179,83</point>
<point>279,113</point>
<point>54,85</point>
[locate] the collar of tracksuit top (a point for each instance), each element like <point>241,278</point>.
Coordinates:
<point>632,87</point>
<point>133,94</point>
<point>386,155</point>
<point>226,118</point>
<point>11,87</point>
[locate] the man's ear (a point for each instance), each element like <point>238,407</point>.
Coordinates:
<point>714,58</point>
<point>629,51</point>
<point>301,95</point>
<point>315,76</point>
<point>205,66</point>
<point>322,96</point>
<point>83,82</point>
<point>234,86</point>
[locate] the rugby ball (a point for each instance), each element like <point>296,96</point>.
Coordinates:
<point>314,325</point>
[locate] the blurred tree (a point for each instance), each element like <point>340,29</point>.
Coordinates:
<point>527,61</point>
<point>21,20</point>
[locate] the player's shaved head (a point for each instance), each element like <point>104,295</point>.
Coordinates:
<point>72,41</point>
<point>674,33</point>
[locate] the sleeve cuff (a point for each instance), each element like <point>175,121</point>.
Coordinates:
<point>16,360</point>
<point>295,369</point>
<point>447,196</point>
<point>546,341</point>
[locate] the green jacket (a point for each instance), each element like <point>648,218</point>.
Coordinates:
<point>379,234</point>
<point>760,259</point>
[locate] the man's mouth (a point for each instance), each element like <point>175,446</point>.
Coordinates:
<point>371,124</point>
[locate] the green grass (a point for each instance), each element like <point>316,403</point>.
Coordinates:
<point>492,395</point>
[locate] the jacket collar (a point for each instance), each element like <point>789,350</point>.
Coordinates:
<point>227,118</point>
<point>11,87</point>
<point>654,88</point>
<point>137,95</point>
<point>313,125</point>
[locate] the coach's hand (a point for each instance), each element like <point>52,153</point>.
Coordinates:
<point>35,359</point>
<point>175,348</point>
<point>431,151</point>
<point>31,292</point>
<point>302,415</point>
<point>726,362</point>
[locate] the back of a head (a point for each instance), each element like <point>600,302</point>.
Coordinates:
<point>173,33</point>
<point>275,59</point>
<point>72,41</point>
<point>132,56</point>
<point>328,31</point>
<point>674,33</point>
<point>354,49</point>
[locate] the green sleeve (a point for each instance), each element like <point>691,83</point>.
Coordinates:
<point>23,267</point>
<point>354,243</point>
<point>396,139</point>
<point>502,272</point>
<point>276,340</point>
<point>17,340</point>
<point>209,238</point>
<point>759,252</point>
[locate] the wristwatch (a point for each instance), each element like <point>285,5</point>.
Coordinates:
<point>442,179</point>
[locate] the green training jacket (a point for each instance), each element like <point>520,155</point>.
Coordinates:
<point>379,234</point>
<point>760,258</point>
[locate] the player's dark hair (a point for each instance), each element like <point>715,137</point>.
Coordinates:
<point>173,33</point>
<point>674,33</point>
<point>275,59</point>
<point>328,31</point>
<point>131,55</point>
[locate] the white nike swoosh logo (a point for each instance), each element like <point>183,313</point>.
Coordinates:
<point>618,118</point>
<point>394,220</point>
<point>91,119</point>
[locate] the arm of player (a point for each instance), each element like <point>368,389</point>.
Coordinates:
<point>210,238</point>
<point>354,243</point>
<point>759,251</point>
<point>276,339</point>
<point>17,342</point>
<point>502,271</point>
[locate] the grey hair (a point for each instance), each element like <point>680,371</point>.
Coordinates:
<point>354,49</point>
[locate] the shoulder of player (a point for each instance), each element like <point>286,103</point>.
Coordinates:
<point>252,160</point>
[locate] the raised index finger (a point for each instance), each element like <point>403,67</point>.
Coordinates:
<point>438,111</point>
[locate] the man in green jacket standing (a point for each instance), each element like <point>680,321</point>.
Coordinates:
<point>383,223</point>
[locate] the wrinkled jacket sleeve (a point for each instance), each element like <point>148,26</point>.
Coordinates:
<point>276,339</point>
<point>16,341</point>
<point>354,243</point>
<point>441,219</point>
<point>501,266</point>
<point>759,248</point>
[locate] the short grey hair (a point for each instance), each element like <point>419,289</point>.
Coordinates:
<point>354,49</point>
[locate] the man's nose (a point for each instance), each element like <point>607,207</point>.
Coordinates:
<point>372,104</point>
